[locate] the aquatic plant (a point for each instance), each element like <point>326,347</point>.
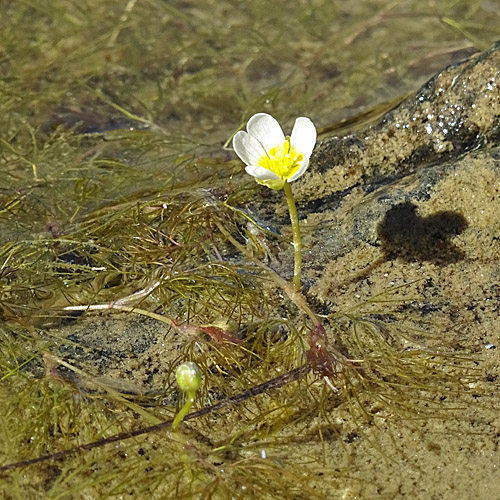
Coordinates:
<point>130,244</point>
<point>180,254</point>
<point>188,377</point>
<point>275,161</point>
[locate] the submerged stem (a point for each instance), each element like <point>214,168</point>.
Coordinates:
<point>293,294</point>
<point>184,410</point>
<point>297,244</point>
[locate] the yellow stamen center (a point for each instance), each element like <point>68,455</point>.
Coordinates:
<point>283,160</point>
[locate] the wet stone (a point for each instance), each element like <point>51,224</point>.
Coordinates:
<point>457,111</point>
<point>411,201</point>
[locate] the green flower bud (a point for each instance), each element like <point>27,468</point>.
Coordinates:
<point>188,376</point>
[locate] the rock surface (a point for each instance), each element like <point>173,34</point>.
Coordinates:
<point>417,193</point>
<point>456,111</point>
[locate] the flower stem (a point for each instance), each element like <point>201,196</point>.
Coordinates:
<point>297,245</point>
<point>184,410</point>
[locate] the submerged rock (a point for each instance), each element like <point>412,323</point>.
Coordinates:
<point>458,110</point>
<point>407,212</point>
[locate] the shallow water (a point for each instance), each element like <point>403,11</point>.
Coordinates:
<point>111,105</point>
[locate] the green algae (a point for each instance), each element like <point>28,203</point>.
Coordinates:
<point>113,181</point>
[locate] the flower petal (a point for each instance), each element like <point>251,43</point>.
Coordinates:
<point>261,173</point>
<point>303,137</point>
<point>300,171</point>
<point>266,130</point>
<point>247,148</point>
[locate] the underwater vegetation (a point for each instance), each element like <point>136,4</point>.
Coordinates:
<point>131,243</point>
<point>181,258</point>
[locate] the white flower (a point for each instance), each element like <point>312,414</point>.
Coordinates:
<point>270,157</point>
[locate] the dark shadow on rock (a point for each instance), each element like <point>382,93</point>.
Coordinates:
<point>406,235</point>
